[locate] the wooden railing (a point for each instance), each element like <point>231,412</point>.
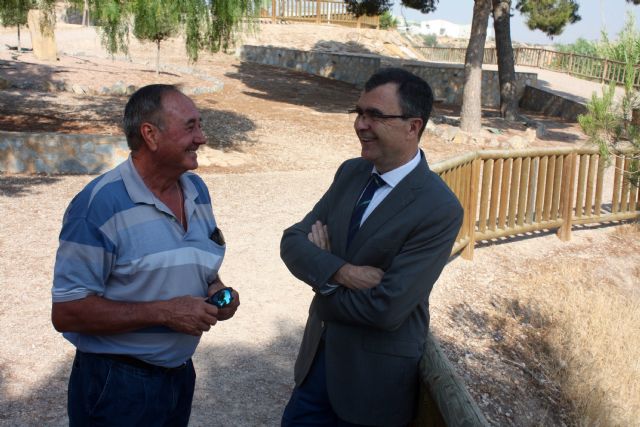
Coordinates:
<point>316,11</point>
<point>589,67</point>
<point>507,193</point>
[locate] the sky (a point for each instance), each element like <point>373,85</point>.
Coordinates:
<point>595,14</point>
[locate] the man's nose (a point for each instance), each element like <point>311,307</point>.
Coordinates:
<point>361,122</point>
<point>200,138</point>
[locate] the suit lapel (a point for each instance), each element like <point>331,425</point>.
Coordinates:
<point>401,196</point>
<point>351,194</point>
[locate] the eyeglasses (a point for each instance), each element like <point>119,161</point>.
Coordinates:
<point>221,298</point>
<point>375,115</point>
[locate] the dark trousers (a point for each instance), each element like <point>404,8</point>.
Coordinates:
<point>108,392</point>
<point>309,404</point>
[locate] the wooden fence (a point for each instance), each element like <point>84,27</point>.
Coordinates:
<point>316,11</point>
<point>508,193</point>
<point>588,67</point>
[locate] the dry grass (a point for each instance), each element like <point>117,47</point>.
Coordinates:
<point>577,336</point>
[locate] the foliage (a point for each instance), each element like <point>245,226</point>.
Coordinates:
<point>377,7</point>
<point>14,12</point>
<point>207,24</point>
<point>581,47</point>
<point>550,16</point>
<point>430,40</point>
<point>387,20</point>
<point>606,124</point>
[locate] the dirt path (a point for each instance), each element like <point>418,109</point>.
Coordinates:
<point>275,139</point>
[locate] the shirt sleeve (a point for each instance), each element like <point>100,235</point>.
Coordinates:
<point>83,261</point>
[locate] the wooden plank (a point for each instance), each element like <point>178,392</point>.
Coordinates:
<point>531,196</point>
<point>474,178</point>
<point>504,192</point>
<point>522,192</point>
<point>568,183</point>
<point>588,199</point>
<point>557,183</point>
<point>495,193</point>
<point>624,194</point>
<point>513,193</point>
<point>487,169</point>
<point>599,185</point>
<point>548,192</point>
<point>582,172</point>
<point>542,176</point>
<point>617,176</point>
<point>454,402</point>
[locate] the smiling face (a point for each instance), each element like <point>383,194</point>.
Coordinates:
<point>387,143</point>
<point>179,135</point>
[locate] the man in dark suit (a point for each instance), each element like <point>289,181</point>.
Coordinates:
<point>371,249</point>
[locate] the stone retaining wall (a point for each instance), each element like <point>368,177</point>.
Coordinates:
<point>446,80</point>
<point>52,153</point>
<point>550,104</point>
<point>346,67</point>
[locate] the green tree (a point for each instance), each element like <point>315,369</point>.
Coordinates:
<point>14,13</point>
<point>387,20</point>
<point>155,21</point>
<point>206,24</point>
<point>550,16</point>
<point>581,47</point>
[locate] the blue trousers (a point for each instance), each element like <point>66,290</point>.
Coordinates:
<point>107,392</point>
<point>309,405</point>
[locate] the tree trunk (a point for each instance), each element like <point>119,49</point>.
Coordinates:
<point>506,66</point>
<point>85,14</point>
<point>158,58</point>
<point>19,43</point>
<point>472,93</point>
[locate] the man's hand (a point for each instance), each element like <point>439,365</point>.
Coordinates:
<point>319,236</point>
<point>229,311</point>
<point>358,277</point>
<point>190,315</point>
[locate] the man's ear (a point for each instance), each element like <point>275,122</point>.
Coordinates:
<point>415,124</point>
<point>149,133</point>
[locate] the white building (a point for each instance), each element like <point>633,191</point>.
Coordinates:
<point>440,28</point>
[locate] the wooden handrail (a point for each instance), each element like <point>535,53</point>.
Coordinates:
<point>590,67</point>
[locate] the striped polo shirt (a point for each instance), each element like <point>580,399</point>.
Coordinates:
<point>122,243</point>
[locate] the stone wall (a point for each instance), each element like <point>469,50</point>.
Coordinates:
<point>346,67</point>
<point>550,104</point>
<point>52,153</point>
<point>446,80</point>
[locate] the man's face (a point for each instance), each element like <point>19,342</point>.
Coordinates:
<point>180,133</point>
<point>387,143</point>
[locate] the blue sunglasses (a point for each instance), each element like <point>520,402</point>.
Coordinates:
<point>221,298</point>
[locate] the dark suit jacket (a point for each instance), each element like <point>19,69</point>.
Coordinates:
<point>374,338</point>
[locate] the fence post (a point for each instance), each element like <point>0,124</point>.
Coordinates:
<point>273,11</point>
<point>568,183</point>
<point>359,22</point>
<point>605,70</point>
<point>471,205</point>
<point>317,11</point>
<point>540,56</point>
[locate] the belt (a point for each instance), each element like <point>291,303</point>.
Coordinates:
<point>137,363</point>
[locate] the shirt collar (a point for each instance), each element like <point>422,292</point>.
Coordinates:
<point>394,176</point>
<point>138,190</point>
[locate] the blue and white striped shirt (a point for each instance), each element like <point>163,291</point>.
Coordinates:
<point>121,242</point>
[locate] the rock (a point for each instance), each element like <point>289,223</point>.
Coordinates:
<point>460,138</point>
<point>77,89</point>
<point>517,143</point>
<point>449,133</point>
<point>4,83</point>
<point>530,135</point>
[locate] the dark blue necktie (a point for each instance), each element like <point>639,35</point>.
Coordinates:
<point>374,183</point>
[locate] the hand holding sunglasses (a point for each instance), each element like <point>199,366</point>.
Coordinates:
<point>221,298</point>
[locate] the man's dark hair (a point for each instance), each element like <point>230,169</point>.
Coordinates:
<point>145,105</point>
<point>416,97</point>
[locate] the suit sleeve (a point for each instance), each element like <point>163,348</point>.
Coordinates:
<point>304,259</point>
<point>406,283</point>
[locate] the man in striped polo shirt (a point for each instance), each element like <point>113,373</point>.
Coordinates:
<point>139,254</point>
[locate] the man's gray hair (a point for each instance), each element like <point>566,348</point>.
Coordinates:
<point>145,105</point>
